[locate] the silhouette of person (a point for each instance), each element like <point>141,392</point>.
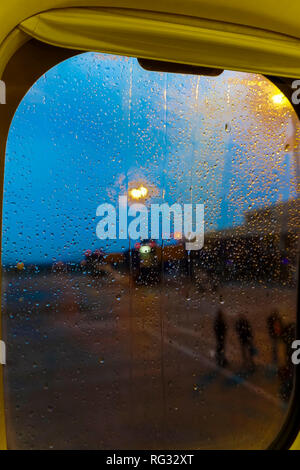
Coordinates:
<point>275,329</point>
<point>244,331</point>
<point>220,329</point>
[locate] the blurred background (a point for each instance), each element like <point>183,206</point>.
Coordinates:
<point>140,343</point>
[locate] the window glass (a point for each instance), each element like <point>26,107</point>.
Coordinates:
<point>145,339</point>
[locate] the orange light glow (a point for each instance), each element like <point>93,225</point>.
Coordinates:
<point>138,193</point>
<point>279,98</point>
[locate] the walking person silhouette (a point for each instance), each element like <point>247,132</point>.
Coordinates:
<point>244,331</point>
<point>220,329</point>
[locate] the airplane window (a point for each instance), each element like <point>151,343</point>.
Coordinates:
<point>149,259</point>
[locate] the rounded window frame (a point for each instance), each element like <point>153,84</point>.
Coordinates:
<point>26,66</point>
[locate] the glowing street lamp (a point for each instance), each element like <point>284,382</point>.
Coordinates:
<point>279,98</point>
<point>143,191</point>
<point>138,193</point>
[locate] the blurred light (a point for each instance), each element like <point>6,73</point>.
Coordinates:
<point>20,266</point>
<point>279,98</point>
<point>145,249</point>
<point>138,193</point>
<point>177,236</point>
<point>135,193</point>
<point>144,191</point>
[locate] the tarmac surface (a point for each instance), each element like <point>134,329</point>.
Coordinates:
<point>103,363</point>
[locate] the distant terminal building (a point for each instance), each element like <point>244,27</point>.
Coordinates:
<point>265,247</point>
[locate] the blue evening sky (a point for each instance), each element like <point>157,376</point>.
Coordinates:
<point>96,124</point>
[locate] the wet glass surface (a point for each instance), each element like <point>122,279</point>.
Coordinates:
<point>140,343</point>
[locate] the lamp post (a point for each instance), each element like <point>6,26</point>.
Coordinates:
<point>139,193</point>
